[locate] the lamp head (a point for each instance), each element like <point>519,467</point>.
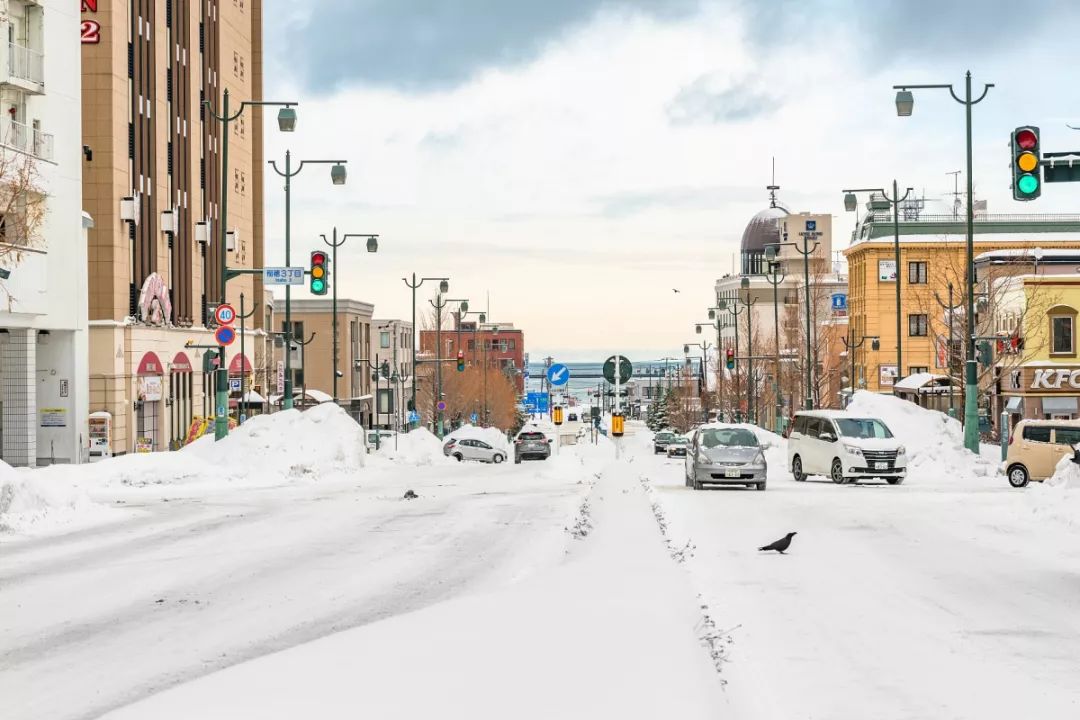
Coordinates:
<point>851,203</point>
<point>905,102</point>
<point>745,283</point>
<point>444,286</point>
<point>712,314</point>
<point>372,244</point>
<point>338,174</point>
<point>697,329</point>
<point>286,119</point>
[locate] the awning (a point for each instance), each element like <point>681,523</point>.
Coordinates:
<point>918,381</point>
<point>1015,405</point>
<point>317,395</point>
<point>1059,405</point>
<point>253,398</point>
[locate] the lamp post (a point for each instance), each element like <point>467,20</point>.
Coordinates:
<point>438,303</point>
<point>751,381</point>
<point>303,363</point>
<point>949,363</point>
<point>286,123</point>
<point>775,277</point>
<point>905,103</point>
<point>704,353</point>
<point>463,307</point>
<point>806,251</point>
<point>851,346</point>
<point>734,309</point>
<point>444,286</point>
<point>851,204</point>
<point>372,246</point>
<point>337,176</point>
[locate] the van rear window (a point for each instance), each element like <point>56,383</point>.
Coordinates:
<point>1035,433</point>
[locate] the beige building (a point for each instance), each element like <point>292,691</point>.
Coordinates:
<point>153,187</point>
<point>313,363</point>
<point>393,344</point>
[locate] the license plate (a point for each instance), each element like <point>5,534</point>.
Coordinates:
<point>732,473</point>
<point>881,466</point>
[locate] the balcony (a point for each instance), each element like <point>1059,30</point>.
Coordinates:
<point>25,138</point>
<point>25,69</point>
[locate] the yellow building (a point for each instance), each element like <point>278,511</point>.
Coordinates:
<point>932,260</point>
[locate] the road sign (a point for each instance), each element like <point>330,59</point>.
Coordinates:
<point>474,417</point>
<point>234,384</point>
<point>225,314</point>
<point>441,405</point>
<point>811,225</point>
<point>625,370</point>
<point>283,276</point>
<point>225,335</point>
<point>414,417</point>
<point>558,374</point>
<point>536,402</point>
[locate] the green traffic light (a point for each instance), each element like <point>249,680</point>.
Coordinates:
<point>318,286</point>
<point>1028,184</point>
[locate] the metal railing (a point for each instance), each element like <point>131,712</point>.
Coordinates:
<point>886,218</point>
<point>25,138</point>
<point>26,64</point>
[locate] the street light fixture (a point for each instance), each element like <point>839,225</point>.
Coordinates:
<point>444,285</point>
<point>338,174</point>
<point>373,243</point>
<point>904,103</point>
<point>286,119</point>
<point>775,277</point>
<point>751,381</point>
<point>851,203</point>
<point>372,246</point>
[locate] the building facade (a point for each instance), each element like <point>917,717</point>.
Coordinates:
<point>393,345</point>
<point>155,189</point>
<point>932,260</point>
<point>500,345</point>
<point>44,396</point>
<point>312,364</point>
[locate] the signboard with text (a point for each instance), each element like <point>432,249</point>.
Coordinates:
<point>886,270</point>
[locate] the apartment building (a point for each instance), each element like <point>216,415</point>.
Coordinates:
<point>393,344</point>
<point>500,346</point>
<point>154,187</point>
<point>43,277</point>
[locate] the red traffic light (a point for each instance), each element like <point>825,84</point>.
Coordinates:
<point>1026,139</point>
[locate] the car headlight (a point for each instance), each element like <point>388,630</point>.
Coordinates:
<point>850,450</point>
<point>901,450</point>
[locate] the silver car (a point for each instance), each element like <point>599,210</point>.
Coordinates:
<point>469,449</point>
<point>722,455</point>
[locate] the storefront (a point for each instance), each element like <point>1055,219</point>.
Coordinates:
<point>1050,392</point>
<point>180,399</point>
<point>148,398</point>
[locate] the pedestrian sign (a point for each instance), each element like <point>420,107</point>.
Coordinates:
<point>474,417</point>
<point>558,374</point>
<point>414,417</point>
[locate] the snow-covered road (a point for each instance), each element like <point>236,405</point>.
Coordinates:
<point>105,616</point>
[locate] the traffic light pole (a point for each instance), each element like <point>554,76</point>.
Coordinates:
<point>775,277</point>
<point>438,304</point>
<point>971,380</point>
<point>334,245</point>
<point>444,284</point>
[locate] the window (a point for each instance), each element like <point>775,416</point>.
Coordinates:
<point>1035,433</point>
<point>384,339</point>
<point>512,344</point>
<point>917,272</point>
<point>915,369</point>
<point>1066,436</point>
<point>1061,330</point>
<point>917,325</point>
<point>472,345</point>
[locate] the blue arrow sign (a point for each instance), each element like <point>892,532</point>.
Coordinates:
<point>558,374</point>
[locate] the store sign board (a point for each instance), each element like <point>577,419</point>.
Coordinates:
<point>90,30</point>
<point>886,270</point>
<point>1055,379</point>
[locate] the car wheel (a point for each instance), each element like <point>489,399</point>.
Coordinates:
<point>837,473</point>
<point>796,469</point>
<point>1018,476</point>
<point>458,457</point>
<point>497,459</point>
<point>761,486</point>
<point>895,480</point>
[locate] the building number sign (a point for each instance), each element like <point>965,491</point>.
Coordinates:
<point>90,29</point>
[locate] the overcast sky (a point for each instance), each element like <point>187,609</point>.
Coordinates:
<point>577,160</point>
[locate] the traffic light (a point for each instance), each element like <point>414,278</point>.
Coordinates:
<point>320,272</point>
<point>385,369</point>
<point>1026,163</point>
<point>984,353</point>
<point>730,359</point>
<point>460,361</point>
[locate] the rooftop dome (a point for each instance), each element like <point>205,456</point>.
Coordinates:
<point>763,229</point>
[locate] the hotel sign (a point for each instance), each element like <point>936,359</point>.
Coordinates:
<point>90,30</point>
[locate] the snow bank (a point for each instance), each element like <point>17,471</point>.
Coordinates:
<point>1058,498</point>
<point>492,436</point>
<point>416,447</point>
<point>33,501</point>
<point>934,441</point>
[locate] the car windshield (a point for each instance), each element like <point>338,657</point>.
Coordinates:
<point>728,437</point>
<point>678,441</point>
<point>665,436</point>
<point>863,428</point>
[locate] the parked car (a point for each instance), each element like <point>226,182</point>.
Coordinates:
<point>661,440</point>
<point>572,417</point>
<point>531,443</point>
<point>844,447</point>
<point>1036,447</point>
<point>469,449</point>
<point>719,455</point>
<point>677,447</point>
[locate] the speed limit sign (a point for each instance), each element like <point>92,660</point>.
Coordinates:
<point>225,314</point>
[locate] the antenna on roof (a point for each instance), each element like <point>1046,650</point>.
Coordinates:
<point>773,187</point>
<point>955,193</point>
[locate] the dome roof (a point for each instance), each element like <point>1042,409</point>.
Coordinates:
<point>763,229</point>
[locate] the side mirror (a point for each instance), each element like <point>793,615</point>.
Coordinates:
<point>766,444</point>
<point>827,437</point>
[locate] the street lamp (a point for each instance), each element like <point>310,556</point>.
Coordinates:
<point>751,381</point>
<point>894,201</point>
<point>444,285</point>
<point>372,246</point>
<point>806,251</point>
<point>905,102</point>
<point>286,123</point>
<point>289,174</point>
<point>775,277</point>
<point>734,309</point>
<point>851,346</point>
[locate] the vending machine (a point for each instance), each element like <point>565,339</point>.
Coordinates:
<point>100,435</point>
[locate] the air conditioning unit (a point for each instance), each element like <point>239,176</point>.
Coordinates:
<point>168,221</point>
<point>129,210</point>
<point>202,232</point>
<point>230,240</point>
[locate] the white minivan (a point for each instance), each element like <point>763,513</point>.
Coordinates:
<point>844,447</point>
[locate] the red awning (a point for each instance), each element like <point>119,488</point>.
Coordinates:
<point>181,363</point>
<point>150,365</point>
<point>239,364</point>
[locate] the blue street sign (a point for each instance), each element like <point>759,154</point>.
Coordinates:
<point>811,225</point>
<point>536,402</point>
<point>839,301</point>
<point>474,417</point>
<point>414,417</point>
<point>558,374</point>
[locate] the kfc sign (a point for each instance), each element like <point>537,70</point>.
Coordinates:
<point>1055,379</point>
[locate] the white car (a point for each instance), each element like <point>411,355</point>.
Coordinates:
<point>844,447</point>
<point>469,449</point>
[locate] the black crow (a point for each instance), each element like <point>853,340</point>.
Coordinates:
<point>780,545</point>
<point>410,495</point>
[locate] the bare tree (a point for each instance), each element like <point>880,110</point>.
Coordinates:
<point>22,202</point>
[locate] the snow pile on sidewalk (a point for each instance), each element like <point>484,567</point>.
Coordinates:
<point>1058,498</point>
<point>492,436</point>
<point>31,500</point>
<point>934,441</point>
<point>416,447</point>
